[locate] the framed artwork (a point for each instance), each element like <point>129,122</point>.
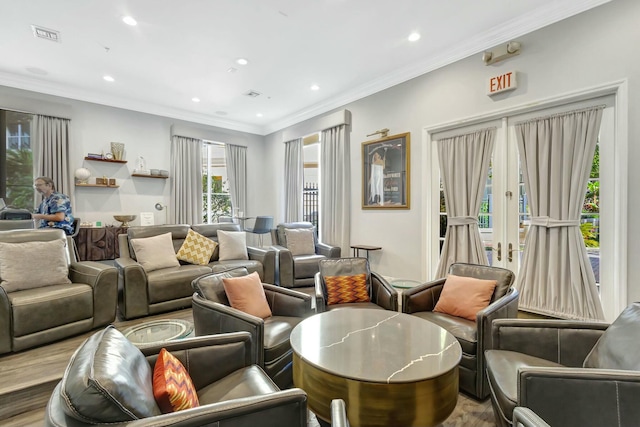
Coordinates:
<point>385,173</point>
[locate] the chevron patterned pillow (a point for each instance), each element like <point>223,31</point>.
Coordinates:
<point>172,385</point>
<point>346,289</point>
<point>196,249</point>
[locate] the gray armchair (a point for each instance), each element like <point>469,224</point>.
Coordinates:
<point>108,382</point>
<point>381,294</point>
<point>298,271</point>
<point>474,337</point>
<point>213,314</point>
<point>570,373</point>
<point>33,314</point>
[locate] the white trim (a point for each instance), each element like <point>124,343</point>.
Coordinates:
<point>617,300</point>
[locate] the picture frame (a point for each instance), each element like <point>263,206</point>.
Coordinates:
<point>386,176</point>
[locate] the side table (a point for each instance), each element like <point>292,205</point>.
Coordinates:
<point>367,248</point>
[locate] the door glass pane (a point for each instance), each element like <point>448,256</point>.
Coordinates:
<point>590,218</point>
<point>485,217</point>
<point>17,161</point>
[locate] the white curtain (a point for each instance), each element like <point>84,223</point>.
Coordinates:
<point>464,167</point>
<point>556,155</point>
<point>186,189</point>
<point>50,147</point>
<point>293,180</point>
<point>236,159</point>
<point>335,187</point>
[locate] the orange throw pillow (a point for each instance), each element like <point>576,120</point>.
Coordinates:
<point>172,385</point>
<point>465,296</point>
<point>346,289</point>
<point>247,294</point>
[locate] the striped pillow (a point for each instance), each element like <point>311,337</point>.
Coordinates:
<point>172,385</point>
<point>346,289</point>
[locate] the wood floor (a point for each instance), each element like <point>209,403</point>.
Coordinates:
<point>28,378</point>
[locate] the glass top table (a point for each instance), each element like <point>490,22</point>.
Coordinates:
<point>158,331</point>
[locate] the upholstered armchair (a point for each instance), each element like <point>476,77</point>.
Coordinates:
<point>46,294</point>
<point>298,253</point>
<point>109,382</point>
<point>474,334</point>
<point>570,373</point>
<point>213,314</point>
<point>348,282</point>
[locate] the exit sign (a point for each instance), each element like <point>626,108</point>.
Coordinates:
<point>502,83</point>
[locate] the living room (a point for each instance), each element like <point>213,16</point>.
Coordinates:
<point>587,53</point>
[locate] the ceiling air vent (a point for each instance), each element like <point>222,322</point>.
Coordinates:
<point>46,33</point>
<point>252,94</point>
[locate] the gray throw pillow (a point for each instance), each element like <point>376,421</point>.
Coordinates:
<point>17,274</point>
<point>619,346</point>
<point>211,288</point>
<point>300,241</point>
<point>156,252</point>
<point>233,245</point>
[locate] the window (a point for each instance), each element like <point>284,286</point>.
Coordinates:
<point>216,200</point>
<point>16,160</point>
<point>311,189</point>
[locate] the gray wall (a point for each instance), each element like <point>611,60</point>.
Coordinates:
<point>591,49</point>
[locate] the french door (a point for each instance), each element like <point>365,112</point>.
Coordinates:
<point>504,215</point>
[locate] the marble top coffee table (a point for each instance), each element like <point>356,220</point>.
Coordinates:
<point>391,369</point>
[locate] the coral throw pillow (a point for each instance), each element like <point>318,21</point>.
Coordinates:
<point>346,289</point>
<point>196,249</point>
<point>246,294</point>
<point>172,385</point>
<point>465,296</point>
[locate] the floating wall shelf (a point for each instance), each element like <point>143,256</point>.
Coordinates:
<point>105,160</point>
<point>149,176</point>
<point>97,185</point>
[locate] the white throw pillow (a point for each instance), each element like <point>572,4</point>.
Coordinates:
<point>300,241</point>
<point>18,273</point>
<point>156,252</point>
<point>233,245</point>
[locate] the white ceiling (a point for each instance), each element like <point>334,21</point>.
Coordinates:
<point>183,49</point>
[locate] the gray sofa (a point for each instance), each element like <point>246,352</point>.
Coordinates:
<point>144,293</point>
<point>108,382</point>
<point>36,315</point>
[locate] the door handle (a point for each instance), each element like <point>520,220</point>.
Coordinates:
<point>498,250</point>
<point>510,252</point>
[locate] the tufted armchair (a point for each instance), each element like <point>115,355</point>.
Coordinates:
<point>380,293</point>
<point>60,298</point>
<point>474,336</point>
<point>569,372</point>
<point>108,382</point>
<point>213,314</point>
<point>297,269</point>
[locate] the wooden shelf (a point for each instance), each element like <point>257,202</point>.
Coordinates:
<point>97,185</point>
<point>149,176</point>
<point>105,160</point>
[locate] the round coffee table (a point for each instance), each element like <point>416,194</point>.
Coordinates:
<point>391,369</point>
<point>158,331</point>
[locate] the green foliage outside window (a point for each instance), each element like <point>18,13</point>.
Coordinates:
<point>19,178</point>
<point>220,199</point>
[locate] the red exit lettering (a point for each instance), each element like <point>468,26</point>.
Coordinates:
<point>506,81</point>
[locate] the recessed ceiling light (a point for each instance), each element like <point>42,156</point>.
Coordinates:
<point>413,37</point>
<point>242,61</point>
<point>314,87</point>
<point>259,115</point>
<point>195,99</point>
<point>109,78</point>
<point>129,21</point>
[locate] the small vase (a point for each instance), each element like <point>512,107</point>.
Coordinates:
<point>117,149</point>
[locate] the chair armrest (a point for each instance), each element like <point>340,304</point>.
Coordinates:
<point>282,408</point>
<point>581,396</point>
<point>382,293</point>
<point>287,302</point>
<point>132,279</point>
<point>104,281</point>
<point>422,297</point>
<point>338,414</point>
<point>328,250</point>
<point>231,351</point>
<point>503,308</point>
<point>284,265</point>
<point>267,258</point>
<point>525,417</point>
<point>210,318</point>
<point>321,302</point>
<point>562,341</point>
<point>5,322</point>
